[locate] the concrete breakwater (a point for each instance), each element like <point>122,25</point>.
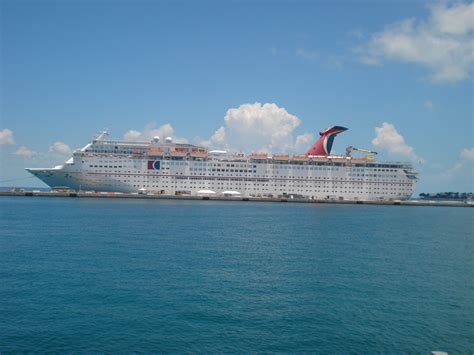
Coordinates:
<point>112,195</point>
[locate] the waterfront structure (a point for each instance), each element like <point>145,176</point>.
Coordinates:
<point>180,169</point>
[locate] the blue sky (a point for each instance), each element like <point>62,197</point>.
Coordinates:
<point>397,74</point>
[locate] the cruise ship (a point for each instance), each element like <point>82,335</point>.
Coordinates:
<point>165,167</point>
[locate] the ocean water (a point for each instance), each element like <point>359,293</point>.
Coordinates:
<point>88,275</point>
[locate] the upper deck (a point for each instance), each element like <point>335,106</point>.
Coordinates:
<point>169,150</point>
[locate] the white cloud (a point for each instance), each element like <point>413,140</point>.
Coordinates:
<point>303,142</point>
<point>219,136</point>
<point>251,127</point>
<point>457,19</point>
<point>444,43</point>
<point>468,154</point>
<point>132,135</point>
<point>6,136</point>
<point>258,127</point>
<point>151,131</point>
<point>56,151</point>
<point>388,138</point>
<point>60,148</point>
<point>25,152</point>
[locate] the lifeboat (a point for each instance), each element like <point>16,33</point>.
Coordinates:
<point>319,157</point>
<point>281,157</point>
<point>155,152</point>
<point>177,153</point>
<point>178,149</point>
<point>137,153</point>
<point>300,157</point>
<point>198,154</point>
<point>259,156</point>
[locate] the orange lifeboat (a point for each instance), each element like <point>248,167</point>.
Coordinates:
<point>281,157</point>
<point>300,157</point>
<point>259,156</point>
<point>177,153</point>
<point>198,154</point>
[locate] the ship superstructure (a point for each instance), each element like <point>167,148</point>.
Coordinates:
<point>173,168</point>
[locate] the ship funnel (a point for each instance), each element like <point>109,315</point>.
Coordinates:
<point>324,143</point>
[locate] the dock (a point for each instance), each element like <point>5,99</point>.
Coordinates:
<point>150,196</point>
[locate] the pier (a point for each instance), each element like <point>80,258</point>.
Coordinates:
<point>150,196</point>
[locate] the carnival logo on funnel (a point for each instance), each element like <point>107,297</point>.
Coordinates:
<point>153,165</point>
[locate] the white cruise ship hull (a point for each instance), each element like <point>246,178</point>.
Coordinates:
<point>170,168</point>
<point>260,179</point>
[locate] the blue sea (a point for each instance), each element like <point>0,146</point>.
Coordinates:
<point>99,275</point>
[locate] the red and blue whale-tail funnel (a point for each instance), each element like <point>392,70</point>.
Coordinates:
<point>324,144</point>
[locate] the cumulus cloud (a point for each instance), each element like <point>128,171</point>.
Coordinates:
<point>457,19</point>
<point>468,154</point>
<point>251,127</point>
<point>219,136</point>
<point>264,126</point>
<point>303,142</point>
<point>217,140</point>
<point>24,151</point>
<point>260,128</point>
<point>132,135</point>
<point>150,131</point>
<point>388,138</point>
<point>6,136</point>
<point>60,148</point>
<point>444,43</point>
